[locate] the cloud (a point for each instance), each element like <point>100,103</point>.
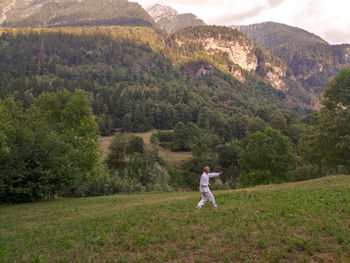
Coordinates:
<point>326,18</point>
<point>274,3</point>
<point>230,19</point>
<point>337,35</point>
<point>239,17</point>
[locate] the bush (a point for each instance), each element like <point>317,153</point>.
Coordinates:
<point>162,136</point>
<point>219,185</point>
<point>47,148</point>
<point>159,179</point>
<point>306,172</point>
<point>268,158</point>
<point>255,177</point>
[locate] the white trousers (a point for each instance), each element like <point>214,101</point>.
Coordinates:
<point>205,197</point>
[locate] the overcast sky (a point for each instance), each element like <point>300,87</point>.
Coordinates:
<point>329,19</point>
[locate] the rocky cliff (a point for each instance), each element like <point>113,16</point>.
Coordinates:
<point>170,20</point>
<point>312,60</point>
<point>241,54</point>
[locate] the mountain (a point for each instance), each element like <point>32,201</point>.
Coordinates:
<point>144,78</point>
<point>170,20</point>
<point>313,61</point>
<point>237,55</point>
<point>272,34</point>
<point>58,13</point>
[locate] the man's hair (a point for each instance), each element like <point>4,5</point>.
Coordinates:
<point>206,167</point>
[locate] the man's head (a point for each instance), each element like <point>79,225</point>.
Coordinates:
<point>207,169</point>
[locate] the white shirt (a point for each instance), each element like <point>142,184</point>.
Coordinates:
<point>203,185</point>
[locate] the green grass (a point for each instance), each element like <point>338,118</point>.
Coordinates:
<point>298,222</point>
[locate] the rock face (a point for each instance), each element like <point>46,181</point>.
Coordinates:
<point>240,54</point>
<point>231,51</point>
<point>243,55</point>
<point>170,20</point>
<point>276,77</point>
<point>159,12</point>
<point>312,60</point>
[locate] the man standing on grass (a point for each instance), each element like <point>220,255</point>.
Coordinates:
<point>204,188</point>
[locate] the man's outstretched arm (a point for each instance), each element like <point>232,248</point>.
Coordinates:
<point>214,174</point>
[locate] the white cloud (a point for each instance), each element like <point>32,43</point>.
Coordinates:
<point>327,18</point>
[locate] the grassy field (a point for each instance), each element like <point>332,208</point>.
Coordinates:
<point>298,222</point>
<point>172,158</point>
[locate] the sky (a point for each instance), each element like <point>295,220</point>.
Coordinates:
<point>330,19</point>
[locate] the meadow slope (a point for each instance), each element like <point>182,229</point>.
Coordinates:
<point>298,222</point>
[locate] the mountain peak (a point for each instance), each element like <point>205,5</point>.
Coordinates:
<point>312,59</point>
<point>57,13</point>
<point>170,20</point>
<point>158,12</point>
<point>271,34</point>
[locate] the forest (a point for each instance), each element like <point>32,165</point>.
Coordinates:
<point>60,91</point>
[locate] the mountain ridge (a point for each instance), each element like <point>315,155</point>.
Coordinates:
<point>170,20</point>
<point>58,13</point>
<point>312,59</point>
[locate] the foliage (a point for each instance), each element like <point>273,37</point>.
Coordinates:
<point>256,124</point>
<point>137,165</point>
<point>129,75</point>
<point>164,138</point>
<point>123,146</point>
<point>268,158</point>
<point>184,136</point>
<point>46,149</point>
<point>229,161</point>
<point>327,142</point>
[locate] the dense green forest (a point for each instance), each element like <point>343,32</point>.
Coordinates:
<point>130,86</point>
<point>61,89</point>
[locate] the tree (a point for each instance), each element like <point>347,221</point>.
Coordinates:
<point>228,158</point>
<point>117,151</point>
<point>205,144</point>
<point>35,161</point>
<point>122,146</point>
<point>135,145</point>
<point>127,123</point>
<point>268,158</point>
<point>327,143</point>
<point>70,115</point>
<point>256,124</point>
<point>184,136</point>
<point>278,122</point>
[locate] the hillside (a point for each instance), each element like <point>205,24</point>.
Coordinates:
<point>170,20</point>
<point>130,72</point>
<point>232,51</point>
<point>56,13</point>
<point>272,34</point>
<point>306,221</point>
<point>313,61</point>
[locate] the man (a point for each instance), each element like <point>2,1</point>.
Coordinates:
<point>204,187</point>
